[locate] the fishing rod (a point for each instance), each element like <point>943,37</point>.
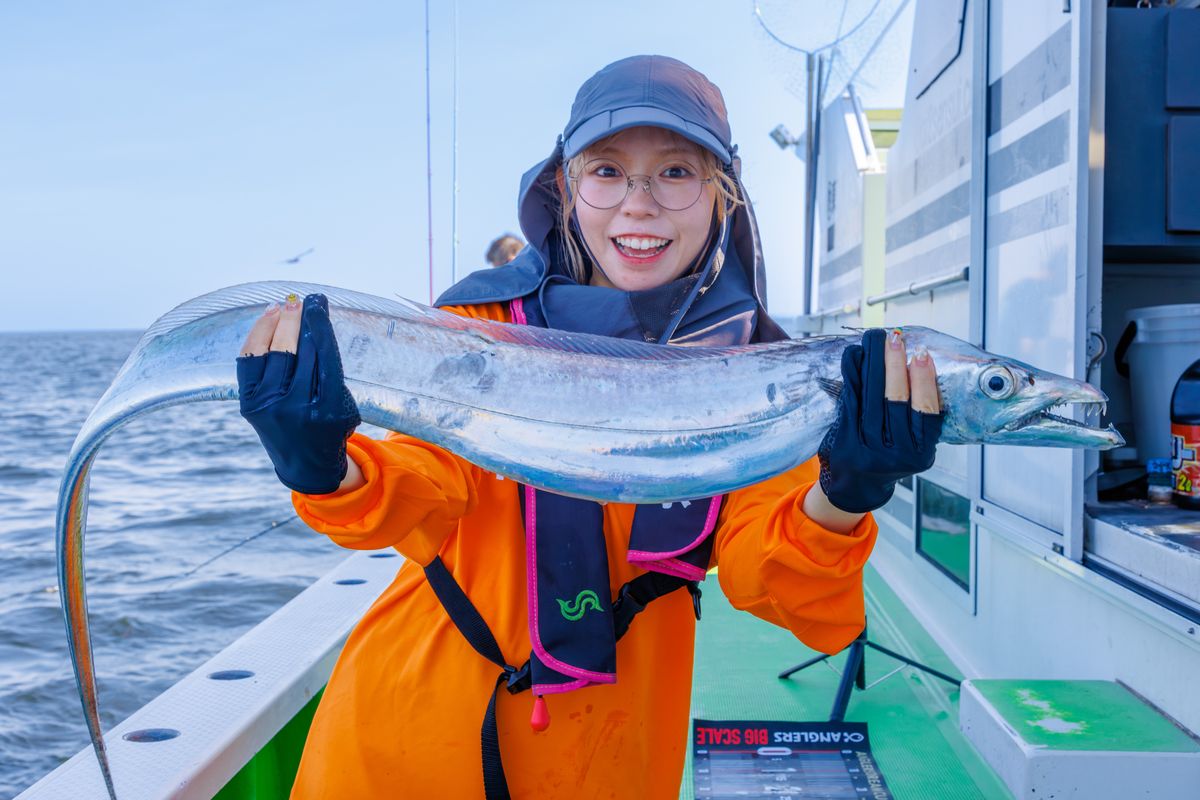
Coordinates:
<point>428,157</point>
<point>454,154</point>
<point>273,526</point>
<point>174,581</point>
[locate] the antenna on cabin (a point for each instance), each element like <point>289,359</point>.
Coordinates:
<point>818,50</point>
<point>851,37</point>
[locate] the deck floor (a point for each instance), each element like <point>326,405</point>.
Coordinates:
<point>912,718</point>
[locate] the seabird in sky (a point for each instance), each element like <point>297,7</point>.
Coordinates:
<point>296,258</point>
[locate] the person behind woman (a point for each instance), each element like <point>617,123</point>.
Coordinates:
<point>503,249</point>
<point>639,228</point>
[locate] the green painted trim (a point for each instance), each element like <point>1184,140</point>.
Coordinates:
<point>885,114</point>
<point>1083,715</point>
<point>913,719</point>
<point>270,773</point>
<point>884,139</point>
<point>885,126</point>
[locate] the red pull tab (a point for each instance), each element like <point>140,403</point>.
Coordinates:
<point>541,715</point>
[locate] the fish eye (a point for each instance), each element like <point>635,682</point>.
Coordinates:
<point>997,382</point>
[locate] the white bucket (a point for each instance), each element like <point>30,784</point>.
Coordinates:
<point>1165,342</point>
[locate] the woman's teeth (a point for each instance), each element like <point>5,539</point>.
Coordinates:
<point>640,246</point>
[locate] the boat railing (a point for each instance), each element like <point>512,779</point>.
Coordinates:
<point>917,287</point>
<point>190,741</point>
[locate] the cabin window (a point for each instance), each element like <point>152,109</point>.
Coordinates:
<point>937,41</point>
<point>944,531</point>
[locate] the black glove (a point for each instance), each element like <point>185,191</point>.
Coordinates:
<point>299,405</point>
<point>874,442</point>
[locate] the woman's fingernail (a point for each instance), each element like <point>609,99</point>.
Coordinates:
<point>894,339</point>
<point>292,302</point>
<point>921,356</point>
<point>271,309</point>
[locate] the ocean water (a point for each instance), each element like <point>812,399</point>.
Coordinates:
<point>169,492</point>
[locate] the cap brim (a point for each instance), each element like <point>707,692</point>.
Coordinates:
<point>609,122</point>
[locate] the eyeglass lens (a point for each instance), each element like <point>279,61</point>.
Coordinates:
<point>605,185</point>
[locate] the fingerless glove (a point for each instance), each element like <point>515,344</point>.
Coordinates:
<point>874,442</point>
<point>299,405</point>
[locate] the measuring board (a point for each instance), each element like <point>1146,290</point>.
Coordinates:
<point>737,760</point>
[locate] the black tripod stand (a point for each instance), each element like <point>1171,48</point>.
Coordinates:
<point>855,673</point>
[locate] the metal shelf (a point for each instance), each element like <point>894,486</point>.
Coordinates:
<point>1155,544</point>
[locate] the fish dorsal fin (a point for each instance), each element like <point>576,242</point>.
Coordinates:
<point>265,292</point>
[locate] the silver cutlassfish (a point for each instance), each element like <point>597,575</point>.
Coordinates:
<point>593,417</point>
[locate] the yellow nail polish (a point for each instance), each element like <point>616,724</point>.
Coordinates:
<point>292,300</point>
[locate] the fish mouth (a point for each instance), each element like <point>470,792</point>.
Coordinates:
<point>1046,428</point>
<point>1047,417</point>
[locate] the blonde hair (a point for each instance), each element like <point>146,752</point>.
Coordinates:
<point>710,167</point>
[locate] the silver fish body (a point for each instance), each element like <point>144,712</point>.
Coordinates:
<point>586,416</point>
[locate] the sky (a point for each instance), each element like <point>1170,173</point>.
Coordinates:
<point>151,152</point>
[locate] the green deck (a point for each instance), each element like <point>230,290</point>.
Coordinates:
<point>913,720</point>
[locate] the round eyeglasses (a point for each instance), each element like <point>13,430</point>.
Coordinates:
<point>604,185</point>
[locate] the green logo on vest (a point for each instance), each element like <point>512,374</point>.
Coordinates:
<point>573,612</point>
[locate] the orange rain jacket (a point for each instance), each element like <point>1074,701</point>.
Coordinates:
<point>401,715</point>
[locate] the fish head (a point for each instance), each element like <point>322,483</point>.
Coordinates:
<point>998,400</point>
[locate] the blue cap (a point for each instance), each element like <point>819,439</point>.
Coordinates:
<point>649,90</point>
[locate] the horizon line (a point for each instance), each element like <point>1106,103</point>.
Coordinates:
<point>4,331</point>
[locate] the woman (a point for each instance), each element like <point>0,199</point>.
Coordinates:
<point>638,228</point>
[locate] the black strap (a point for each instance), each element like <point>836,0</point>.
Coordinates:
<point>644,589</point>
<point>631,599</point>
<point>463,613</point>
<point>470,624</point>
<point>495,785</point>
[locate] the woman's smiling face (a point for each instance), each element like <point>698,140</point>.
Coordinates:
<point>639,243</point>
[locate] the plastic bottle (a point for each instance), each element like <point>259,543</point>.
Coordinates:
<point>1185,438</point>
<point>1160,481</point>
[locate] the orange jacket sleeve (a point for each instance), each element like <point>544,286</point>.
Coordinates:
<point>413,497</point>
<point>414,494</point>
<point>781,566</point>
